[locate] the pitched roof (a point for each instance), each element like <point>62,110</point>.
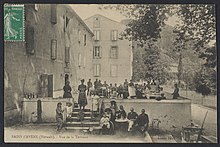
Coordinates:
<point>79,18</point>
<point>103,17</point>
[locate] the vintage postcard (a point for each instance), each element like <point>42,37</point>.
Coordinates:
<point>110,73</point>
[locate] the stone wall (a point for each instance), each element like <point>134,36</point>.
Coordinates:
<point>173,114</point>
<point>23,70</point>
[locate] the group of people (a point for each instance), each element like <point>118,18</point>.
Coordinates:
<point>135,122</point>
<point>125,90</point>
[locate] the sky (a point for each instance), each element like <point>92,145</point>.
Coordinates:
<point>87,10</point>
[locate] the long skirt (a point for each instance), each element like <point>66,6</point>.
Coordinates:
<point>131,91</point>
<point>59,122</point>
<point>82,100</point>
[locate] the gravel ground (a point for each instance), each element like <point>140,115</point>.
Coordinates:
<point>46,133</point>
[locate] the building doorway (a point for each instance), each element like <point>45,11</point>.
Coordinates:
<point>66,78</point>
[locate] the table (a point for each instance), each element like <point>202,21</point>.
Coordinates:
<point>121,125</point>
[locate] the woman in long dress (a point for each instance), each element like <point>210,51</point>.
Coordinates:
<point>82,100</point>
<point>131,89</point>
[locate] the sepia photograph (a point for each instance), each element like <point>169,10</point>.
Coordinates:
<point>110,73</point>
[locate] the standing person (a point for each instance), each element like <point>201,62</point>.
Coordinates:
<point>96,84</point>
<point>131,89</point>
<point>125,92</point>
<point>132,116</point>
<point>175,92</point>
<point>114,90</point>
<point>142,122</point>
<point>67,90</point>
<point>59,116</point>
<point>120,90</point>
<point>110,91</point>
<point>114,109</point>
<point>126,83</point>
<point>82,100</point>
<point>89,85</point>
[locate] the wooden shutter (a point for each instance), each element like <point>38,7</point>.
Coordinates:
<point>67,54</point>
<point>53,13</point>
<point>44,85</point>
<point>50,85</point>
<point>53,49</point>
<point>29,36</point>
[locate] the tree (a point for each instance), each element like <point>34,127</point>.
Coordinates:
<point>196,26</point>
<point>202,85</point>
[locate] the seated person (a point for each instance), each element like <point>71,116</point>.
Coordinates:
<point>121,114</point>
<point>162,97</point>
<point>109,114</point>
<point>142,121</point>
<point>132,116</point>
<point>104,123</point>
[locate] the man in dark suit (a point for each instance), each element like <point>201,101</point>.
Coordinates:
<point>142,122</point>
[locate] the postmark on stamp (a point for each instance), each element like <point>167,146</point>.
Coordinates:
<point>13,22</point>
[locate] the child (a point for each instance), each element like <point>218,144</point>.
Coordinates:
<point>68,110</point>
<point>104,122</point>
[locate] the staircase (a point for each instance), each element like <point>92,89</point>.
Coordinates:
<point>90,121</point>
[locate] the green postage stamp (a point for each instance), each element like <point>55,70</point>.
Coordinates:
<point>13,22</point>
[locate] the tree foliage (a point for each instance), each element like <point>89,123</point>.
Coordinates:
<point>195,31</point>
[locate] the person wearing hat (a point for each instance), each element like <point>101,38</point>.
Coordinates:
<point>59,116</point>
<point>67,90</point>
<point>82,100</point>
<point>89,85</point>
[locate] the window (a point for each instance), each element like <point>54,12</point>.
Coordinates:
<point>96,52</point>
<point>84,62</point>
<point>97,70</point>
<point>114,52</point>
<point>66,22</point>
<point>114,35</point>
<point>84,40</point>
<point>67,55</point>
<point>96,23</point>
<point>79,35</point>
<point>53,49</point>
<point>79,60</point>
<point>113,70</point>
<point>97,35</point>
<point>53,18</point>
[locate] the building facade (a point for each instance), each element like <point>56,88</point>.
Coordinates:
<point>54,51</point>
<point>111,55</point>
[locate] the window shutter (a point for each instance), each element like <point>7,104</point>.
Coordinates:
<point>53,13</point>
<point>53,49</point>
<point>100,52</point>
<point>79,60</point>
<point>67,54</point>
<point>30,40</point>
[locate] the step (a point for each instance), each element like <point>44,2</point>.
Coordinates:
<point>76,118</point>
<point>85,110</point>
<point>86,114</point>
<point>83,122</point>
<point>83,128</point>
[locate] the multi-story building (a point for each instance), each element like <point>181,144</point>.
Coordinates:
<point>111,55</point>
<point>54,51</point>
